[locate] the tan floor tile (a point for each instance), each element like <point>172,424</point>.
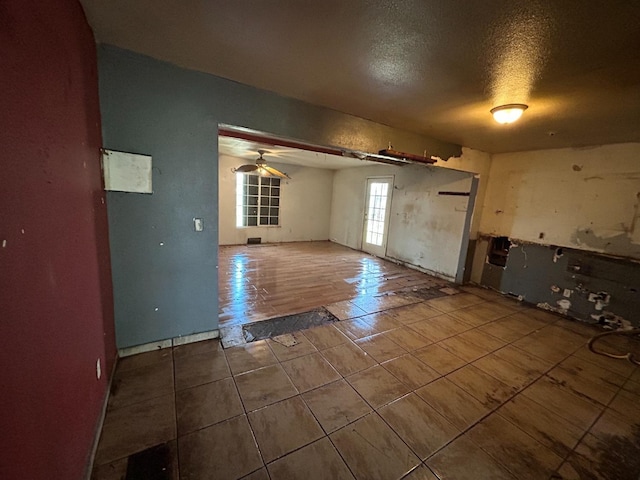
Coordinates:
<point>522,455</point>
<point>381,322</point>
<point>551,343</point>
<point>377,386</point>
<point>257,475</point>
<point>441,327</point>
<point>524,360</point>
<point>199,368</point>
<point>482,292</point>
<point>453,403</point>
<point>345,310</point>
<point>144,359</point>
<point>317,461</point>
<point>488,390</point>
<point>614,424</point>
<point>420,473</point>
<point>540,348</point>
<point>463,460</point>
<point>499,330</point>
<point>441,360</point>
<point>283,427</point>
<point>356,328</point>
<point>310,371</point>
<point>380,347</point>
<point>612,364</point>
<point>451,303</point>
<point>207,404</point>
<point>471,345</point>
<point>227,448</point>
<point>584,329</point>
<point>521,323</point>
<point>413,313</point>
<point>143,383</point>
<point>628,404</point>
<point>136,427</point>
<point>373,304</point>
<point>348,358</point>
<point>505,371</point>
<point>111,471</point>
<point>250,357</point>
<point>594,459</point>
<point>372,450</point>
<point>542,315</point>
<point>577,410</point>
<point>407,338</point>
<point>196,348</point>
<point>284,353</point>
<point>325,337</point>
<point>336,405</point>
<point>264,386</point>
<point>418,424</point>
<point>599,391</point>
<point>633,387</point>
<point>482,313</point>
<point>542,423</point>
<point>411,371</point>
<point>592,371</point>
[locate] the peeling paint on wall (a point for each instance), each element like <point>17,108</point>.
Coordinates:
<point>606,243</point>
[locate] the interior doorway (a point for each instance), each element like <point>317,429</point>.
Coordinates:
<point>376,215</point>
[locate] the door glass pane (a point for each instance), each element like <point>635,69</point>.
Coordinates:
<point>376,213</point>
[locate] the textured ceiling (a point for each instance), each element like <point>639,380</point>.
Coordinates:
<point>430,66</point>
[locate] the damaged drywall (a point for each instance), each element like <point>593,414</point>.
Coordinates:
<point>588,286</point>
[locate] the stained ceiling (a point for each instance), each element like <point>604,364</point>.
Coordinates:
<point>434,67</point>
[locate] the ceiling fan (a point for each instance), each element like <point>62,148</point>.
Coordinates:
<point>261,168</point>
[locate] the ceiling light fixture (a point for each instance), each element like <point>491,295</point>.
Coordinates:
<point>508,113</point>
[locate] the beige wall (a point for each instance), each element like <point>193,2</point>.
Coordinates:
<point>478,162</point>
<point>585,198</point>
<point>305,205</point>
<point>425,229</point>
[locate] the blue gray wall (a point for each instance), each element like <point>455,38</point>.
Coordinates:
<point>540,276</point>
<point>164,273</point>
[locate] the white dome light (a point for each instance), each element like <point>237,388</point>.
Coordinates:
<point>508,113</point>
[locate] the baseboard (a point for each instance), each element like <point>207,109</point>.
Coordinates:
<point>170,342</point>
<point>98,431</point>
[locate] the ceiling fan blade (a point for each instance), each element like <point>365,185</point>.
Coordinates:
<point>246,168</point>
<point>277,173</point>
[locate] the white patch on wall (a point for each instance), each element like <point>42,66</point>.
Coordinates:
<point>126,172</point>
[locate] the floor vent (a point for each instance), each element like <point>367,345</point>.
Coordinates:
<point>254,240</point>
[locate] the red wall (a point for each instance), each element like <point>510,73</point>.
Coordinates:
<point>56,306</point>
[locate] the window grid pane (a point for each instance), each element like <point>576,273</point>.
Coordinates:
<point>257,200</point>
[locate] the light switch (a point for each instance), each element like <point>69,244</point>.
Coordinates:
<point>197,224</point>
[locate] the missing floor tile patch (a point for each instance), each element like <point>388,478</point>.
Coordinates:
<point>287,324</point>
<point>423,293</point>
<point>151,464</point>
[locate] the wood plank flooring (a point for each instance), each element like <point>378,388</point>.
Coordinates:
<point>264,281</point>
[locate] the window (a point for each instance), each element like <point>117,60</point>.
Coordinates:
<point>257,200</point>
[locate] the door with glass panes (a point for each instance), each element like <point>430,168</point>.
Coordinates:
<point>376,215</point>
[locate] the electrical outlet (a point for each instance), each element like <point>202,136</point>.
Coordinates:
<point>197,224</point>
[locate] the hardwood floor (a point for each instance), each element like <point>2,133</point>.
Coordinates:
<point>264,281</point>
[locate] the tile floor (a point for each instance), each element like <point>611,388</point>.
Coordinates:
<point>468,386</point>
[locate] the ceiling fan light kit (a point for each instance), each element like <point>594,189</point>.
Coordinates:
<point>261,168</point>
<point>509,113</point>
